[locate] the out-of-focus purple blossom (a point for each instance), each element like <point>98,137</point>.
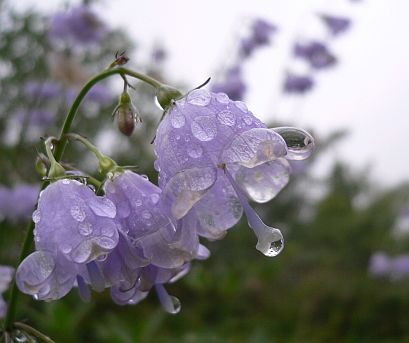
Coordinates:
<point>74,228</point>
<point>335,24</point>
<point>5,197</point>
<point>6,275</point>
<point>380,264</point>
<point>315,53</point>
<point>41,91</point>
<point>395,268</point>
<point>260,34</point>
<point>99,94</point>
<point>212,152</point>
<point>400,267</point>
<point>297,84</point>
<point>158,54</point>
<point>262,30</point>
<point>233,84</point>
<point>18,203</point>
<point>80,25</point>
<point>36,117</point>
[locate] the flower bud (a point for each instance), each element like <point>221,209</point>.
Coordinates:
<point>165,94</point>
<point>126,114</point>
<point>41,165</point>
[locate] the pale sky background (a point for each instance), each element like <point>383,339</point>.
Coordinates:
<point>368,93</point>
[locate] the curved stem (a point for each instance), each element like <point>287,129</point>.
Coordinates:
<point>62,141</point>
<point>59,151</point>
<point>33,332</point>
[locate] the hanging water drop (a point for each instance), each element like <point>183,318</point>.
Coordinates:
<point>299,142</point>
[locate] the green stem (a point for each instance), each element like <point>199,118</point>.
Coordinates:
<point>62,141</point>
<point>58,153</point>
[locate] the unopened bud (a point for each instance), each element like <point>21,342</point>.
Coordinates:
<point>41,166</point>
<point>126,114</point>
<point>166,94</point>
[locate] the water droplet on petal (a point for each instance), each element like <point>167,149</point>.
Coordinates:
<point>194,150</point>
<point>146,215</point>
<point>85,228</point>
<point>177,119</point>
<point>102,207</point>
<point>264,182</point>
<point>36,216</point>
<point>241,106</point>
<point>199,97</point>
<point>226,117</point>
<point>138,202</point>
<point>204,128</point>
<point>77,213</point>
<point>299,142</point>
<point>66,181</point>
<point>222,98</point>
<point>66,249</point>
<point>254,147</point>
<point>145,177</point>
<point>106,243</point>
<point>248,120</point>
<point>155,198</point>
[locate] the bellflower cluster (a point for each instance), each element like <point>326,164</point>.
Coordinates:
<point>124,241</point>
<point>17,203</point>
<point>213,155</point>
<point>315,53</point>
<point>41,91</point>
<point>259,36</point>
<point>80,26</point>
<point>395,268</point>
<point>336,25</point>
<point>233,84</point>
<point>297,84</point>
<point>6,275</point>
